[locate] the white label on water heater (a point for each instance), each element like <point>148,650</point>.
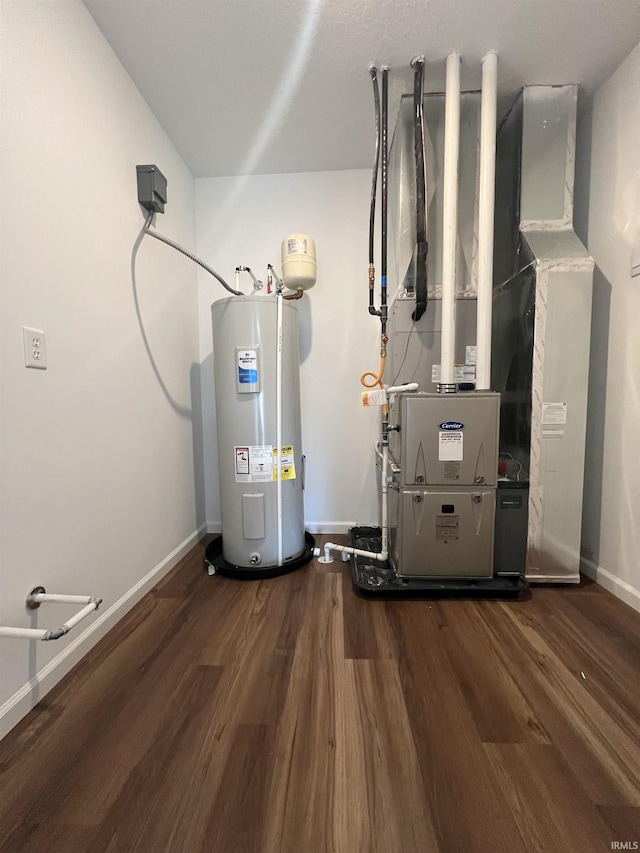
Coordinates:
<point>248,377</point>
<point>450,446</point>
<point>254,464</point>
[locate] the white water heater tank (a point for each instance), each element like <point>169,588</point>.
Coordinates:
<point>299,268</point>
<point>245,347</point>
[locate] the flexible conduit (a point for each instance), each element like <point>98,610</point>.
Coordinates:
<point>178,248</point>
<point>370,379</point>
<point>374,185</point>
<point>421,188</point>
<point>383,212</point>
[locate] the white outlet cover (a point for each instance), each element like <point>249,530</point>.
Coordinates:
<point>635,261</point>
<point>35,348</point>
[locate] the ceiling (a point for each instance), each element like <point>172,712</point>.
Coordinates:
<point>261,86</point>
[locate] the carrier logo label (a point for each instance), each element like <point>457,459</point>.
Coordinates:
<point>450,426</point>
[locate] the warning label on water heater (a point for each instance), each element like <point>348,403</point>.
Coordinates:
<point>259,463</point>
<point>287,466</point>
<point>254,464</point>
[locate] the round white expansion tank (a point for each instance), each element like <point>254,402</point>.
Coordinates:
<point>245,341</point>
<point>299,267</point>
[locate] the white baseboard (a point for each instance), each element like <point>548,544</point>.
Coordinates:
<point>19,705</point>
<point>621,589</point>
<point>311,526</point>
<point>330,526</point>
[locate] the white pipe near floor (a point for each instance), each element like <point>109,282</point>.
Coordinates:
<point>91,603</point>
<point>486,202</point>
<point>450,222</point>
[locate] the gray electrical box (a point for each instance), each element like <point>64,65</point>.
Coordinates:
<point>152,188</point>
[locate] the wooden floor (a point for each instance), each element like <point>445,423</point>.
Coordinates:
<point>290,716</point>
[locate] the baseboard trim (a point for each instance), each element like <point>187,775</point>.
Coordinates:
<point>19,705</point>
<point>621,589</point>
<point>311,526</point>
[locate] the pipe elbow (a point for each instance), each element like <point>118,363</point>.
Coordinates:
<point>55,635</point>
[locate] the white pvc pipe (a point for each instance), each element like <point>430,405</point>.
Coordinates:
<point>486,204</point>
<point>79,616</point>
<point>90,603</point>
<point>47,598</point>
<point>450,222</point>
<point>279,420</point>
<point>23,633</point>
<point>384,483</point>
<point>400,389</point>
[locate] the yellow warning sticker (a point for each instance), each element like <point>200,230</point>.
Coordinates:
<point>288,467</point>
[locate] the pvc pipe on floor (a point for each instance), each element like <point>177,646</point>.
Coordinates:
<point>486,202</point>
<point>450,222</point>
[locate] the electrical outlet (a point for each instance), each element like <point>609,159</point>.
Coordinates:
<point>35,348</point>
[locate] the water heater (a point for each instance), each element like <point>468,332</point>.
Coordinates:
<point>261,479</point>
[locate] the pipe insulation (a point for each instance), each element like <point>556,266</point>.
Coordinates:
<point>450,223</point>
<point>486,204</point>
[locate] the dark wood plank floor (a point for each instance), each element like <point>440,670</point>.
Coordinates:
<point>290,716</point>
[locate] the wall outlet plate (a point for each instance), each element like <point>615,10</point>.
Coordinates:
<point>35,348</point>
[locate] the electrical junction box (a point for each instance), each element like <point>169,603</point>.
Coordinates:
<point>152,188</point>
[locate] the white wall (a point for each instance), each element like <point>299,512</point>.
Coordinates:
<point>610,225</point>
<point>242,221</point>
<point>98,488</point>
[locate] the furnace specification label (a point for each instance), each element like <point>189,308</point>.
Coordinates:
<point>450,446</point>
<point>254,464</point>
